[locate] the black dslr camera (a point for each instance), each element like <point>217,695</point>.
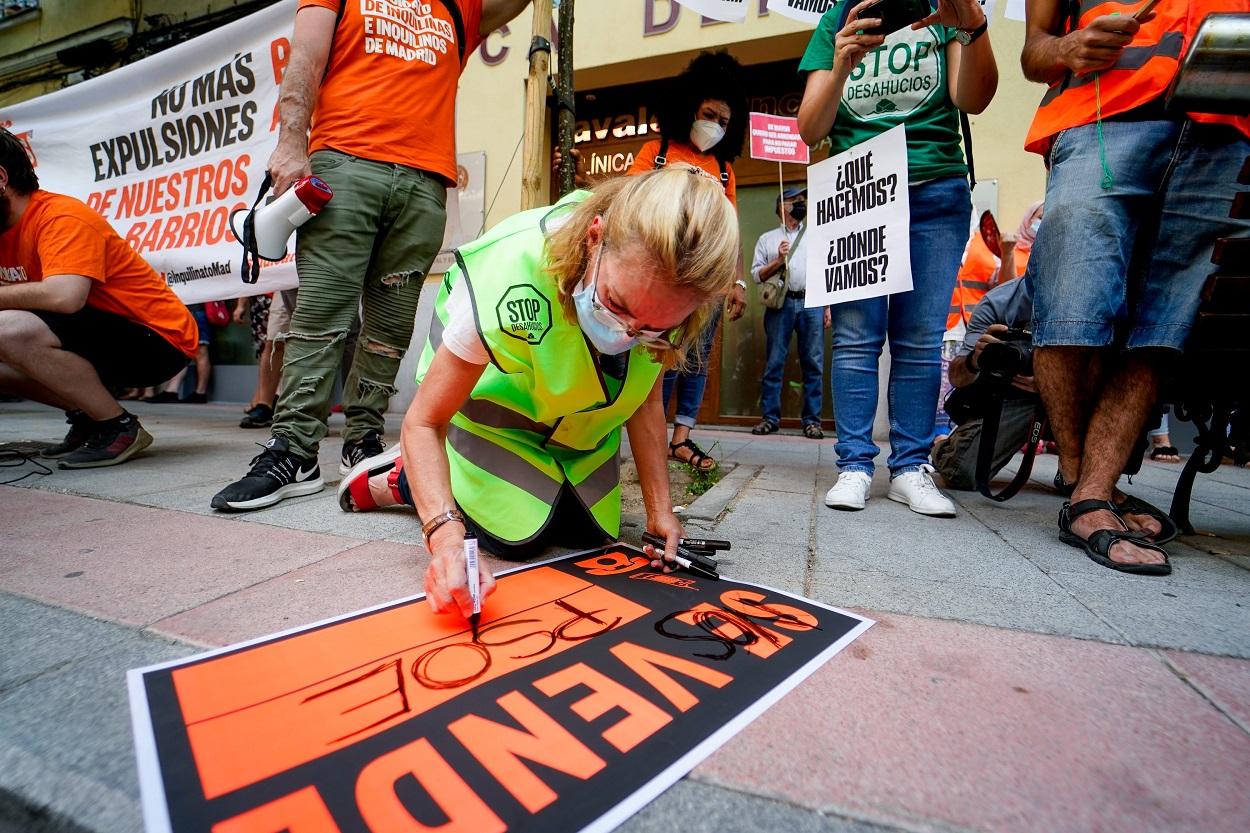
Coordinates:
<point>1003,361</point>
<point>999,363</point>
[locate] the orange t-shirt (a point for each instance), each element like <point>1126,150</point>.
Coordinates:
<point>59,235</point>
<point>683,153</point>
<point>390,88</point>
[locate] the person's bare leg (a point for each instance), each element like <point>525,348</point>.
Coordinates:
<point>203,369</point>
<point>16,383</point>
<point>30,348</point>
<point>1158,441</point>
<point>269,373</point>
<point>1119,418</point>
<point>1068,378</point>
<point>175,382</point>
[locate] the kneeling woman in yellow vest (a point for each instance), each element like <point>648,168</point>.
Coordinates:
<point>552,332</point>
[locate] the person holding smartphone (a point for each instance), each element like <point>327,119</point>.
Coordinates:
<point>862,81</point>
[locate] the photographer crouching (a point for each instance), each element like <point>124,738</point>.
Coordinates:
<point>994,364</point>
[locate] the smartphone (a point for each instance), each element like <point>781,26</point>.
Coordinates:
<point>1145,9</point>
<point>895,14</point>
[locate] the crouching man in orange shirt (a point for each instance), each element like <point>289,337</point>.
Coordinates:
<point>79,311</point>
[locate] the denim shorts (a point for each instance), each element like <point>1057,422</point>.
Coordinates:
<point>1124,266</point>
<point>204,330</point>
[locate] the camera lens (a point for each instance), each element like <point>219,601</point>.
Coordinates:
<point>1000,360</point>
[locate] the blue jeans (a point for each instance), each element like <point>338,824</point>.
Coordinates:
<point>691,383</point>
<point>914,322</point>
<point>779,324</point>
<point>1126,265</point>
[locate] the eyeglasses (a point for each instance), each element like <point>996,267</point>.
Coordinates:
<point>655,339</point>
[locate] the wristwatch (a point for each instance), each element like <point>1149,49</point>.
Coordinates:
<point>740,282</point>
<point>968,36</point>
<point>434,523</point>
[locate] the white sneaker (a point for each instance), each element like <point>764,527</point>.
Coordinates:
<point>850,492</point>
<point>921,494</point>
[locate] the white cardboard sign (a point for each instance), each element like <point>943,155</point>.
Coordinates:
<point>859,222</point>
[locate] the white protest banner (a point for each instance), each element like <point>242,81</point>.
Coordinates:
<point>777,139</point>
<point>804,11</point>
<point>168,147</point>
<point>733,11</point>
<point>859,218</point>
<point>811,11</point>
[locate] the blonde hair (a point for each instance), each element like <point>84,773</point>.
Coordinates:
<point>684,226</point>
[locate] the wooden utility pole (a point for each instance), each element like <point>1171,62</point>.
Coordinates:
<point>533,150</point>
<point>564,97</point>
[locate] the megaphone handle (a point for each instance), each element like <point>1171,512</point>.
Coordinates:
<point>249,269</point>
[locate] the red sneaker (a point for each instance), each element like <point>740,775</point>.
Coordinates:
<point>373,482</point>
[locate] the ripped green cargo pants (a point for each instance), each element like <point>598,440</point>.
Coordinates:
<point>366,253</point>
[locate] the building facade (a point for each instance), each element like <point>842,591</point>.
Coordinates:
<point>623,52</point>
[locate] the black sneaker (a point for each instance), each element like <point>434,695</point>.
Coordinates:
<point>356,451</point>
<point>111,442</point>
<point>79,431</point>
<point>258,416</point>
<point>276,474</point>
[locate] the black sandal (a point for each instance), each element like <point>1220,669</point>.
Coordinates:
<point>1165,451</point>
<point>812,431</point>
<point>1136,506</point>
<point>765,426</point>
<point>1098,545</point>
<point>697,456</point>
<point>1062,486</point>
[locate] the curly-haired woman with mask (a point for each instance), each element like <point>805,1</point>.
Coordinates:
<point>703,120</point>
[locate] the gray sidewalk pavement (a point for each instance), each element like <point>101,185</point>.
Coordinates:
<point>1011,683</point>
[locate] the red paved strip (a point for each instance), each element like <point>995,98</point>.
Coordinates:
<point>134,564</point>
<point>943,725</point>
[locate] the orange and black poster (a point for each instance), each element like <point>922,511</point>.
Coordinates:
<point>594,683</point>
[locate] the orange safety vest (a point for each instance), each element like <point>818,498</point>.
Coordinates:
<point>1143,72</point>
<point>1021,258</point>
<point>975,278</point>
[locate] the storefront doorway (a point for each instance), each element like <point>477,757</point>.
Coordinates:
<point>613,123</point>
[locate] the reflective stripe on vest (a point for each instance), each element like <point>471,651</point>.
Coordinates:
<point>973,281</point>
<point>1142,73</point>
<point>542,414</point>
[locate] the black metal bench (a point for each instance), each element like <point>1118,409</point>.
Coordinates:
<point>1212,387</point>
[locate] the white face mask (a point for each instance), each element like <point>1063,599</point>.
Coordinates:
<point>608,338</point>
<point>705,134</point>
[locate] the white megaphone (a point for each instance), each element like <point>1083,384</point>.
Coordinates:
<point>273,224</point>
<point>267,228</point>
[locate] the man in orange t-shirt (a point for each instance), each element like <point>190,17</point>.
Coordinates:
<point>79,311</point>
<point>376,83</point>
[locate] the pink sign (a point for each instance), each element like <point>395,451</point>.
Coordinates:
<point>777,139</point>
